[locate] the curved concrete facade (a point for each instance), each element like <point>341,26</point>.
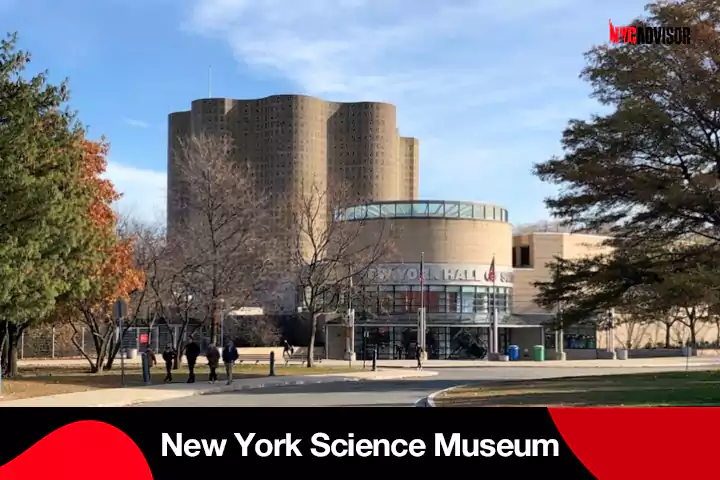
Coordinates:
<point>296,139</point>
<point>457,242</point>
<point>446,237</point>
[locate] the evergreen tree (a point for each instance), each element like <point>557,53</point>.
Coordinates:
<point>648,172</point>
<point>42,200</point>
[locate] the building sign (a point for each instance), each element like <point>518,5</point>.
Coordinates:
<point>438,273</point>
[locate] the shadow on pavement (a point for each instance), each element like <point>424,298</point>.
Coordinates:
<point>380,386</point>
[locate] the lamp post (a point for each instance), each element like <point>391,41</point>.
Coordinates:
<point>611,332</point>
<point>186,320</point>
<point>222,321</point>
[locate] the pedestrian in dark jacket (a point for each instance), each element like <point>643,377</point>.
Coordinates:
<point>229,356</point>
<point>192,352</point>
<point>169,356</point>
<point>152,361</point>
<point>213,358</point>
<point>288,351</point>
<point>419,352</point>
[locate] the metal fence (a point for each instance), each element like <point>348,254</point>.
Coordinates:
<point>57,341</point>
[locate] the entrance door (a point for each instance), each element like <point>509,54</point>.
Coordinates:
<point>468,343</point>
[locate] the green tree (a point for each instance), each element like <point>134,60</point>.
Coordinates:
<point>647,172</point>
<point>42,201</point>
<point>640,285</point>
<point>651,167</point>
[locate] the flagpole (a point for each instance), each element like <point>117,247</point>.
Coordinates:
<point>421,319</point>
<point>495,342</point>
<point>422,281</point>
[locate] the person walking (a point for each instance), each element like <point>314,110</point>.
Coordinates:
<point>192,352</point>
<point>168,356</point>
<point>213,358</point>
<point>229,356</point>
<point>288,351</point>
<point>419,351</point>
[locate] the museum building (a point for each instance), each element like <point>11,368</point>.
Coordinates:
<point>458,242</point>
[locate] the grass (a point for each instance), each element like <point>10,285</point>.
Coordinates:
<point>635,390</point>
<point>38,381</point>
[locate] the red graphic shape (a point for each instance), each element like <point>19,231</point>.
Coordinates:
<point>632,443</point>
<point>85,450</point>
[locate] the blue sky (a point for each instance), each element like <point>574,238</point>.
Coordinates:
<point>486,85</point>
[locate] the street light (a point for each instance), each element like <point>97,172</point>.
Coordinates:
<point>222,321</point>
<point>611,331</point>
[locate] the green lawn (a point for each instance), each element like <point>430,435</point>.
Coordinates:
<point>41,381</point>
<point>646,389</point>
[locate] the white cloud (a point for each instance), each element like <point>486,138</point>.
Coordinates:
<point>468,76</point>
<point>144,191</point>
<point>136,123</point>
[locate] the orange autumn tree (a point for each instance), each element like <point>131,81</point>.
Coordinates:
<point>111,274</point>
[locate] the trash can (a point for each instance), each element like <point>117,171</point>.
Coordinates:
<point>513,353</point>
<point>539,353</point>
<point>132,353</point>
<point>622,354</point>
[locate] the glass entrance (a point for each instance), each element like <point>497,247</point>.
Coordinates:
<point>442,343</point>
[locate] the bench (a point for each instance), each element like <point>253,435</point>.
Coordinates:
<point>300,357</point>
<point>253,358</point>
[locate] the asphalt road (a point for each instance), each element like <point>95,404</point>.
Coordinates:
<point>383,393</point>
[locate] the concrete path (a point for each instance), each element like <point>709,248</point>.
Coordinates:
<point>434,364</point>
<point>406,392</point>
<point>121,397</point>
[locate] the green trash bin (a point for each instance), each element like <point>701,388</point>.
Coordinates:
<point>539,353</point>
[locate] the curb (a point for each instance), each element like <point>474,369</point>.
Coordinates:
<point>431,398</point>
<point>288,383</point>
<point>309,380</point>
<point>567,365</point>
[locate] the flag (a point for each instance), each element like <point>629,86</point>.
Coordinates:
<point>491,272</point>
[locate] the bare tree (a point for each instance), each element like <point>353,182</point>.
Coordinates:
<point>148,244</point>
<point>328,250</point>
<point>97,317</point>
<point>225,243</point>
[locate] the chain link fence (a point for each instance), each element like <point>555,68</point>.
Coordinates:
<point>57,341</point>
<point>48,341</point>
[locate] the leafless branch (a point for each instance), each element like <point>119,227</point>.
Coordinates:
<point>328,251</point>
<point>225,240</point>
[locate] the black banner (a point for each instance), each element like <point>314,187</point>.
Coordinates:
<point>179,442</point>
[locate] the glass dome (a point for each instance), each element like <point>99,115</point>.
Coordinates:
<point>424,209</point>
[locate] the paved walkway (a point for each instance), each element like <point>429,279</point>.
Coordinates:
<point>633,362</point>
<point>121,397</point>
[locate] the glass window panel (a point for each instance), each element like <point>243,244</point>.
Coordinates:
<point>415,295</point>
<point>481,299</point>
<point>370,300</point>
<point>373,211</point>
<point>452,210</point>
<point>388,210</point>
<point>453,299</point>
<point>478,211</point>
<point>468,299</point>
<point>403,210</point>
<point>435,297</point>
<point>436,209</point>
<point>386,300</point>
<point>350,213</point>
<point>361,212</point>
<point>420,209</point>
<point>466,211</point>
